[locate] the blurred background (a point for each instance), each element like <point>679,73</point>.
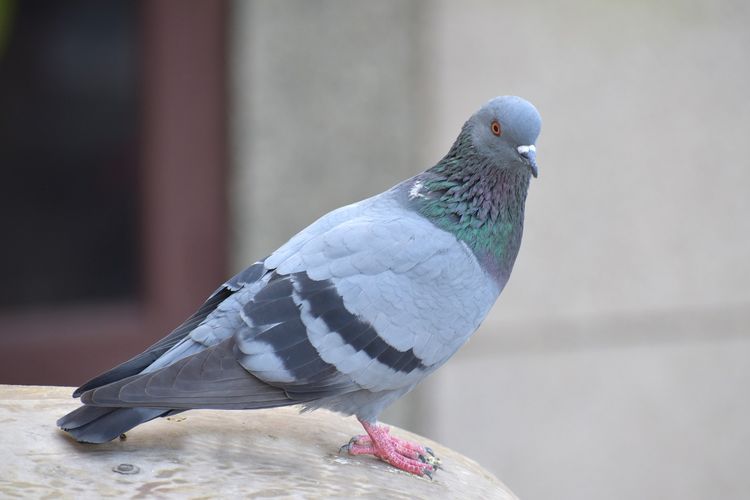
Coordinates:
<point>151,149</point>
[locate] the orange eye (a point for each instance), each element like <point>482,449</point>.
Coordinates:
<point>496,129</point>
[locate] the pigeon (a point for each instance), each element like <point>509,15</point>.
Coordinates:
<point>353,311</point>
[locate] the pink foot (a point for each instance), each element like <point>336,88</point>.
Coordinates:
<point>402,454</point>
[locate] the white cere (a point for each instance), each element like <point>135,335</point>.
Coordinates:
<point>526,149</point>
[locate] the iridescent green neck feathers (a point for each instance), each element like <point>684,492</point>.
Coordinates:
<point>479,200</point>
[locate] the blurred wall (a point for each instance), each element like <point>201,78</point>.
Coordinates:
<point>326,111</point>
<point>615,365</point>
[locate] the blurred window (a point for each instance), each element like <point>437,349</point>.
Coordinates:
<point>68,148</point>
<point>112,154</point>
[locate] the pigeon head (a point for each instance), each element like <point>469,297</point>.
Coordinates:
<point>504,131</point>
<point>477,191</point>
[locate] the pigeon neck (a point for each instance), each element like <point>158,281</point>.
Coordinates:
<point>481,203</point>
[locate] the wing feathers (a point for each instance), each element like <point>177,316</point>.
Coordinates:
<point>210,379</point>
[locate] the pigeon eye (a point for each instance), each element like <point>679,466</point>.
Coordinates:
<point>496,129</point>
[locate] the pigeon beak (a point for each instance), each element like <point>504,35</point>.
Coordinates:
<point>529,154</point>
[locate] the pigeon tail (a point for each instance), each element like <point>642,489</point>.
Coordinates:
<point>210,379</point>
<point>95,424</point>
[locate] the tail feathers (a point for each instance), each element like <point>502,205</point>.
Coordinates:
<point>92,424</point>
<point>82,416</point>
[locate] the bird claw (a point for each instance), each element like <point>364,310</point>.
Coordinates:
<point>348,445</point>
<point>401,454</point>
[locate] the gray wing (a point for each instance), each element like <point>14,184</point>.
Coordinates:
<point>210,379</point>
<point>215,321</point>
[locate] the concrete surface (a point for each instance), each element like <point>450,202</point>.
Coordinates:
<point>208,454</point>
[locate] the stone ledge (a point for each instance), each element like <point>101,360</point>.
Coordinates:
<point>205,453</point>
